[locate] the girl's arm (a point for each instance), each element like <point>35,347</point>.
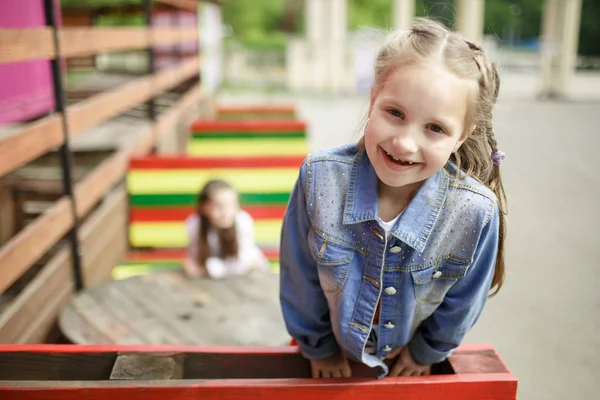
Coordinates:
<point>190,265</point>
<point>249,255</point>
<point>303,302</point>
<point>445,329</point>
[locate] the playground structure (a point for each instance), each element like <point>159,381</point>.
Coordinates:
<point>119,213</point>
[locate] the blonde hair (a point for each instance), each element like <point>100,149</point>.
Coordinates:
<point>429,40</point>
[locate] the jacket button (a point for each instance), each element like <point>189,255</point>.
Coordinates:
<point>390,290</point>
<point>389,325</point>
<point>387,348</point>
<point>395,249</point>
<point>436,274</point>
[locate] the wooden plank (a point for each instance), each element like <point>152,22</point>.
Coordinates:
<point>215,162</point>
<point>162,36</point>
<point>165,122</point>
<point>33,241</point>
<point>101,260</point>
<point>98,182</point>
<point>37,331</point>
<point>37,43</point>
<point>25,44</point>
<point>53,279</point>
<point>101,107</point>
<point>171,118</point>
<point>86,332</point>
<point>55,366</point>
<point>30,142</point>
<point>8,214</point>
<point>127,310</point>
<point>181,213</point>
<point>86,41</point>
<point>89,41</point>
<point>450,387</point>
<point>147,367</point>
<point>253,126</point>
<point>24,319</point>
<point>104,238</point>
<point>41,136</point>
<point>477,359</point>
<point>190,5</point>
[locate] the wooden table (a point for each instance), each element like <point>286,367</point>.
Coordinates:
<point>167,308</point>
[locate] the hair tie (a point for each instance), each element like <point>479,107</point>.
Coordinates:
<point>498,157</point>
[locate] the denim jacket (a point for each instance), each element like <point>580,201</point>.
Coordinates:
<point>431,274</point>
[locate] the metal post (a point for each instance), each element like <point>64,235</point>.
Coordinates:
<point>151,64</point>
<point>65,152</point>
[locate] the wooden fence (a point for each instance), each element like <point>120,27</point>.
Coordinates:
<point>99,200</point>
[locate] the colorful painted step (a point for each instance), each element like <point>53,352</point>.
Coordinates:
<point>163,193</point>
<point>142,262</point>
<point>245,112</point>
<point>247,138</point>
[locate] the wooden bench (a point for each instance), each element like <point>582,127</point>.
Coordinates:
<point>162,194</point>
<point>247,138</point>
<point>250,112</point>
<point>473,372</point>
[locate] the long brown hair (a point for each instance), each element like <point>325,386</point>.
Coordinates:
<point>429,40</point>
<point>228,242</point>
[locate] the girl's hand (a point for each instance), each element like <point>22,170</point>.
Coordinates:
<point>336,366</point>
<point>407,366</point>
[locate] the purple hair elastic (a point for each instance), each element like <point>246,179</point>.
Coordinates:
<point>498,157</point>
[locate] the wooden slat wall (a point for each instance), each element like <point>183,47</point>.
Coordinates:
<point>103,245</point>
<point>41,136</point>
<point>103,237</point>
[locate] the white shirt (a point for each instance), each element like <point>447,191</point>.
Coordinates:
<point>249,255</point>
<point>387,226</point>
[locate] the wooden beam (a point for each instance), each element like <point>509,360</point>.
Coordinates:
<point>104,106</point>
<point>190,5</point>
<point>166,122</point>
<point>98,182</point>
<point>87,41</point>
<point>104,238</point>
<point>30,142</point>
<point>25,44</point>
<point>31,243</point>
<point>36,43</point>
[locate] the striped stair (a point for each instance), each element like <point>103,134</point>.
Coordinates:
<point>247,138</point>
<point>162,194</point>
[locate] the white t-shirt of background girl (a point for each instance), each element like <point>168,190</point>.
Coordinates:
<point>249,255</point>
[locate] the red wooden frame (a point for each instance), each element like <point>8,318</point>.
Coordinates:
<point>161,162</point>
<point>181,213</point>
<point>249,126</point>
<point>478,373</point>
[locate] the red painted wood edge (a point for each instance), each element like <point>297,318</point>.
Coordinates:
<point>176,349</point>
<point>491,385</point>
<point>256,109</point>
<point>217,162</point>
<point>181,213</point>
<point>248,126</point>
<point>447,387</point>
<point>180,254</point>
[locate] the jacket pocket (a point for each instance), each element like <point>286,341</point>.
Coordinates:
<point>333,262</point>
<point>433,282</point>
